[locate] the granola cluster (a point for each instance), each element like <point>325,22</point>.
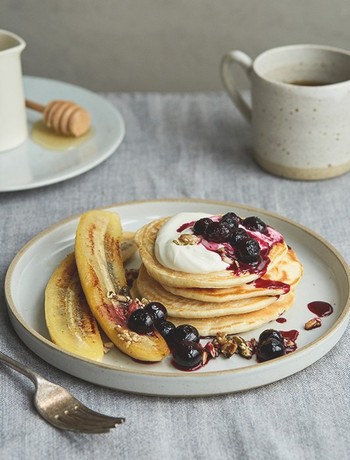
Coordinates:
<point>227,345</point>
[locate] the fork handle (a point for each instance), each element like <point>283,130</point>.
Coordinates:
<point>33,376</point>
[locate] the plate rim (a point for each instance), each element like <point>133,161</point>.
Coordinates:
<point>100,159</point>
<point>11,307</point>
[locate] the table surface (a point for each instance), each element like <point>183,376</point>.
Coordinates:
<point>181,145</point>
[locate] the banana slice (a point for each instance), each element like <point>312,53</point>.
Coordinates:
<point>102,276</point>
<point>68,317</point>
<point>128,246</point>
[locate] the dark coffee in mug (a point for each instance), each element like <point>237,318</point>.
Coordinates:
<point>309,82</point>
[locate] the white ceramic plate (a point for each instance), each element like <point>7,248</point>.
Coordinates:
<point>326,278</point>
<point>30,165</point>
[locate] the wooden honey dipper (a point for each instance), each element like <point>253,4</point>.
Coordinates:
<point>63,117</point>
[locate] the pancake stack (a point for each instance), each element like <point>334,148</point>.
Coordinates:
<point>236,299</point>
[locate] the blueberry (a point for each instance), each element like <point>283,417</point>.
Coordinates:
<point>201,225</point>
<point>248,251</point>
<point>141,321</point>
<point>218,232</point>
<point>270,333</point>
<point>270,349</point>
<point>186,332</point>
<point>188,354</point>
<point>166,330</point>
<point>255,224</point>
<point>158,311</point>
<point>237,235</point>
<point>231,219</point>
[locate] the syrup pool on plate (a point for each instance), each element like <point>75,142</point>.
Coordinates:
<point>52,141</point>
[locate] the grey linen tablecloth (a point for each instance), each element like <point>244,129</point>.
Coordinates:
<point>181,145</point>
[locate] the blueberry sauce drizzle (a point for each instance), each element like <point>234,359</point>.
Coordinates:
<point>290,338</point>
<point>281,320</point>
<point>259,268</point>
<point>270,284</point>
<point>320,308</point>
<point>185,226</point>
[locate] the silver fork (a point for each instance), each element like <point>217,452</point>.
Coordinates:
<point>59,408</point>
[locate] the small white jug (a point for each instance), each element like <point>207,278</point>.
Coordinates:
<point>13,122</point>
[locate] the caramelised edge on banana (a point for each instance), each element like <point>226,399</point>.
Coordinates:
<point>102,276</point>
<point>69,320</point>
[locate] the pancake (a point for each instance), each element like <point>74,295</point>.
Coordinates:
<point>228,300</point>
<point>145,239</point>
<point>179,307</point>
<point>287,272</point>
<point>235,324</point>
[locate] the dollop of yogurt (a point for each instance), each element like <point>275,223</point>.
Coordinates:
<point>187,258</point>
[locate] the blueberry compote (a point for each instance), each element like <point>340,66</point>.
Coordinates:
<point>185,332</point>
<point>185,347</point>
<point>182,340</point>
<point>244,242</point>
<point>270,345</point>
<point>146,319</point>
<point>166,330</point>
<point>188,355</point>
<point>157,310</point>
<point>248,251</point>
<point>141,321</point>
<point>270,349</point>
<point>255,224</point>
<point>271,284</point>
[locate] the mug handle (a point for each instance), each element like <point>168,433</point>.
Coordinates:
<point>236,57</point>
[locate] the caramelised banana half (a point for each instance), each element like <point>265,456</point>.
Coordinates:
<point>101,272</point>
<point>69,320</point>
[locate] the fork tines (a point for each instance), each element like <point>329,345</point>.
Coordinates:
<point>81,418</point>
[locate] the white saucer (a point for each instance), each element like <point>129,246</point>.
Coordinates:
<point>31,165</point>
<point>326,278</point>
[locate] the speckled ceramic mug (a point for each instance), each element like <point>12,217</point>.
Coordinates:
<point>300,108</point>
